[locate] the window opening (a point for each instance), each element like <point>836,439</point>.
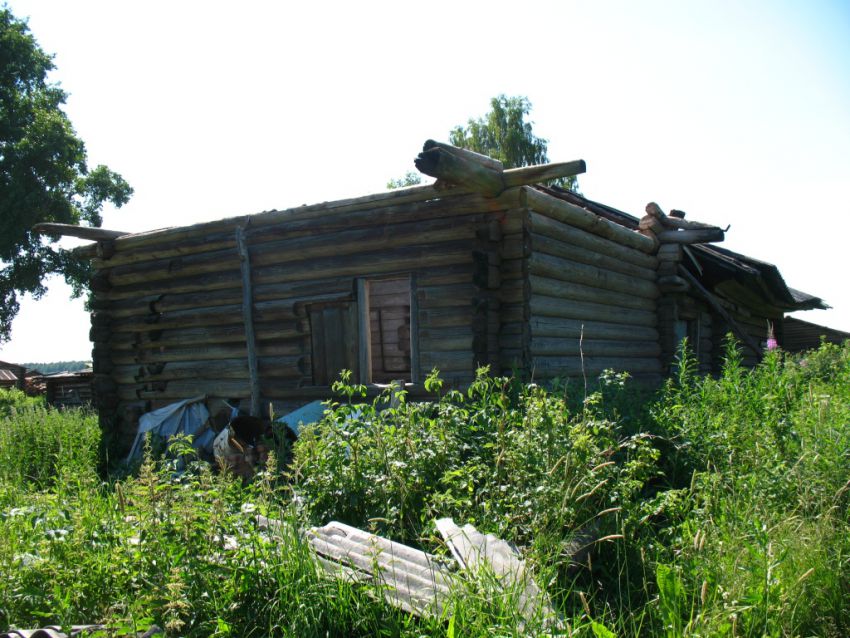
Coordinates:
<point>387,307</point>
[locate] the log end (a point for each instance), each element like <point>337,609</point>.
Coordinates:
<point>654,210</point>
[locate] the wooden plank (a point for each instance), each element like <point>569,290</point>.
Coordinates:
<point>248,319</point>
<point>415,348</point>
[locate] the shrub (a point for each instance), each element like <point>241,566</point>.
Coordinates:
<point>39,446</point>
<point>13,400</point>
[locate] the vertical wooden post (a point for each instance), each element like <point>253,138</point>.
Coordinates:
<point>414,332</point>
<point>248,319</point>
<point>364,329</point>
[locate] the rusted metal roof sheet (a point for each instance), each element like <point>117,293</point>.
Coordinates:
<point>7,375</point>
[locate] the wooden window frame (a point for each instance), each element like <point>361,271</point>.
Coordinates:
<point>365,333</point>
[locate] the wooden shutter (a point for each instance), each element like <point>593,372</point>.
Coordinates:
<point>333,339</point>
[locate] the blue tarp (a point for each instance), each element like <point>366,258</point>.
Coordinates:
<point>305,415</point>
<point>183,417</point>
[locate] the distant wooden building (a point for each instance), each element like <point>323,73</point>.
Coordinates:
<point>482,268</point>
<point>12,375</point>
<point>799,335</point>
<point>69,389</point>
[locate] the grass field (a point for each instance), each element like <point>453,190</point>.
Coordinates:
<point>722,505</point>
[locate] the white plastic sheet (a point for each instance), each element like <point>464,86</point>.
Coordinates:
<point>183,417</point>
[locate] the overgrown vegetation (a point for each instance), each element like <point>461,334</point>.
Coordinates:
<point>721,505</point>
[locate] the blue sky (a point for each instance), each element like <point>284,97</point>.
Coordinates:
<point>736,112</point>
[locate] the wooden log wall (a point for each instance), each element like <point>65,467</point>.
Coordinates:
<point>168,323</point>
<point>592,294</point>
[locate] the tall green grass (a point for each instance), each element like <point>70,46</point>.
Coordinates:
<point>722,505</point>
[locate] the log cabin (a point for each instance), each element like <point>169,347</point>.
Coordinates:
<point>485,267</point>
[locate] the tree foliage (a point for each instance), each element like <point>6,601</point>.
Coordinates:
<point>410,178</point>
<point>505,135</point>
<point>44,176</point>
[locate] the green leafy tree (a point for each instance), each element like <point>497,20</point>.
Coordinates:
<point>505,135</point>
<point>44,176</point>
<point>410,178</point>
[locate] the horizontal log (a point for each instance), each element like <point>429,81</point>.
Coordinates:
<point>471,207</point>
<point>558,248</point>
<point>460,169</point>
<point>514,221</point>
<point>264,312</point>
<point>184,389</point>
<point>338,245</point>
<point>543,172</point>
<point>574,272</point>
<point>514,291</point>
<point>178,285</point>
<point>575,216</point>
<point>216,316</point>
<point>695,236</point>
<point>456,295</point>
<point>470,156</point>
<point>447,361</point>
<point>515,313</point>
<point>207,335</point>
<point>572,347</point>
<point>547,367</point>
<point>554,307</point>
<point>445,317</point>
<point>574,236</point>
<point>378,209</point>
<point>279,367</point>
<point>447,275</point>
<point>73,230</point>
<point>163,303</point>
<point>670,252</point>
<point>516,246</point>
<point>207,352</point>
<point>407,260</point>
<point>457,343</point>
<point>579,292</point>
<point>513,269</point>
<point>672,283</point>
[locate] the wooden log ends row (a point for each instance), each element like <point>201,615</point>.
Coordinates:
<point>663,229</point>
